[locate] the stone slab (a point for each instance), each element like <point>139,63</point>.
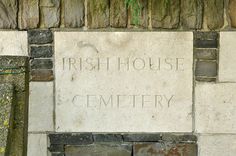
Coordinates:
<point>227,59</point>
<point>100,150</point>
<point>6,101</point>
<point>13,43</point>
<point>217,145</point>
<point>215,108</point>
<point>37,145</point>
<point>110,95</point>
<point>41,107</point>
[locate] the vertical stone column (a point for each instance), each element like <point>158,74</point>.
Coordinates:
<point>14,70</point>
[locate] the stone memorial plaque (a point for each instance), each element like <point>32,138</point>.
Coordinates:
<point>123,81</point>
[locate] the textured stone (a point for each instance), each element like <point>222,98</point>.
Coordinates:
<point>142,19</point>
<point>232,12</point>
<point>168,149</point>
<point>215,107</point>
<point>206,68</point>
<point>37,145</point>
<point>74,13</point>
<point>41,75</point>
<point>205,43</point>
<point>118,14</point>
<point>18,77</point>
<point>49,13</point>
<point>107,137</point>
<point>8,14</point>
<point>13,43</point>
<point>41,64</point>
<point>98,13</point>
<point>56,148</point>
<point>206,54</point>
<point>41,107</point>
<point>217,145</point>
<point>71,139</point>
<point>165,14</point>
<point>205,35</point>
<point>28,16</point>
<point>191,14</point>
<point>214,14</point>
<point>100,150</point>
<point>227,57</point>
<point>41,51</point>
<point>123,114</point>
<point>166,137</point>
<point>40,36</point>
<point>6,117</point>
<point>142,137</point>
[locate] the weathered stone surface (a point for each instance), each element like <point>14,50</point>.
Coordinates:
<point>232,12</point>
<point>142,137</point>
<point>100,150</point>
<point>6,117</point>
<point>227,59</point>
<point>167,137</point>
<point>107,138</point>
<point>169,149</point>
<point>49,13</point>
<point>123,114</point>
<point>41,64</point>
<point>71,139</point>
<point>142,19</point>
<point>217,145</point>
<point>206,68</point>
<point>13,43</point>
<point>118,14</point>
<point>205,43</point>
<point>98,13</point>
<point>41,51</point>
<point>41,75</point>
<point>165,14</point>
<point>206,54</point>
<point>41,107</point>
<point>37,145</point>
<point>18,76</point>
<point>40,36</point>
<point>214,14</point>
<point>28,16</point>
<point>74,13</point>
<point>205,35</point>
<point>191,14</point>
<point>215,108</point>
<point>8,14</point>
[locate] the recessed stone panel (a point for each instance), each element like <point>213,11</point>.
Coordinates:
<point>227,59</point>
<point>13,43</point>
<point>123,81</point>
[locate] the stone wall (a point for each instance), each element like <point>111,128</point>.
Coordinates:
<point>97,14</point>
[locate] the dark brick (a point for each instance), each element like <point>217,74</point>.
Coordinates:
<point>57,154</point>
<point>56,148</point>
<point>71,139</point>
<point>205,43</point>
<point>142,137</point>
<point>206,68</point>
<point>41,51</point>
<point>13,61</point>
<point>41,75</point>
<point>179,138</point>
<point>168,149</point>
<point>206,54</point>
<point>205,79</point>
<point>107,138</point>
<point>206,35</point>
<point>41,64</point>
<point>40,36</point>
<point>109,149</point>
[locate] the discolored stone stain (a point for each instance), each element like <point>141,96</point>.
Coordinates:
<point>119,39</point>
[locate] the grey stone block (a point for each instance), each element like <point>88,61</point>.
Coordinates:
<point>107,137</point>
<point>41,51</point>
<point>142,137</point>
<point>206,68</point>
<point>206,54</point>
<point>41,64</point>
<point>40,36</point>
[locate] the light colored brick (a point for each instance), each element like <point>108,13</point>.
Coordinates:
<point>227,60</point>
<point>37,145</point>
<point>41,107</point>
<point>217,145</point>
<point>215,107</point>
<point>13,43</point>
